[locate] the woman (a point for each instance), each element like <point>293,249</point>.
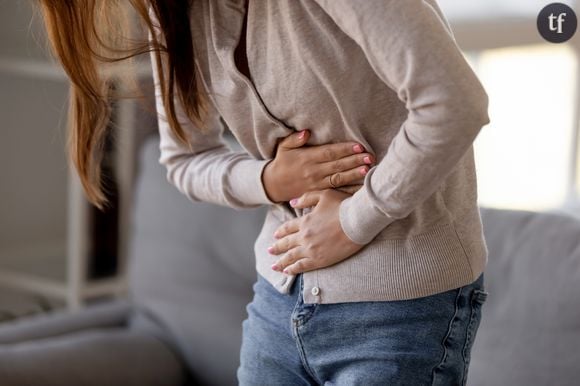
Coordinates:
<point>379,283</point>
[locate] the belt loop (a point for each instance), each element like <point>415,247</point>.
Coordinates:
<point>300,278</point>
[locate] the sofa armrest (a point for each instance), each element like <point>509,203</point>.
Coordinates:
<point>110,314</point>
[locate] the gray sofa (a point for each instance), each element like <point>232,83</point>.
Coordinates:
<point>191,272</point>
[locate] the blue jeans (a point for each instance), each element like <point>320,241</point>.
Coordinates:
<point>423,341</point>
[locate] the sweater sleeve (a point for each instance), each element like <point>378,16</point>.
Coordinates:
<point>409,45</point>
<point>210,171</point>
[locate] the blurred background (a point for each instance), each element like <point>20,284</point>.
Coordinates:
<point>58,252</point>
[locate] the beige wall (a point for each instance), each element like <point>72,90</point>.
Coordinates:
<point>32,163</point>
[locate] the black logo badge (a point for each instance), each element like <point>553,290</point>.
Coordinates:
<point>557,23</point>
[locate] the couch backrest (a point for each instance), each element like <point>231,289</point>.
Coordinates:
<point>191,270</point>
<point>530,330</point>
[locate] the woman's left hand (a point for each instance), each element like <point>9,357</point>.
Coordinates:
<point>315,240</point>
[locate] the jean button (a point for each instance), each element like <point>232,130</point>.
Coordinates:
<point>315,291</point>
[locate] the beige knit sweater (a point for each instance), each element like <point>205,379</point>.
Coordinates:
<point>385,73</point>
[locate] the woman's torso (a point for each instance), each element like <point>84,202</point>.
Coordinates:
<point>306,73</point>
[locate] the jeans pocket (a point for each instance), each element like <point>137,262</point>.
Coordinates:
<point>478,298</point>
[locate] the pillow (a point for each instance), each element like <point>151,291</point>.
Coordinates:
<point>530,328</point>
<point>192,267</point>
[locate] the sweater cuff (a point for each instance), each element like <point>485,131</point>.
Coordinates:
<point>360,218</point>
<point>246,181</point>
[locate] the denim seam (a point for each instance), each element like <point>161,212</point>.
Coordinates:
<point>469,333</point>
<point>300,346</point>
<point>300,302</point>
<point>445,339</point>
<point>296,323</point>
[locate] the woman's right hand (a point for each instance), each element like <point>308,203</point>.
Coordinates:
<point>298,169</point>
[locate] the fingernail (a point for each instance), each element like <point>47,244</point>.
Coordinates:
<point>275,267</point>
<point>367,160</point>
<point>364,171</point>
<point>270,250</point>
<point>286,271</point>
<point>276,234</point>
<point>293,201</point>
<point>358,148</point>
<point>302,134</point>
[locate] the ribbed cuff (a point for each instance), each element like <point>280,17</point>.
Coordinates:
<point>360,218</point>
<point>246,181</point>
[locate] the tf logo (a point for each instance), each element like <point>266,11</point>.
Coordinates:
<point>557,22</point>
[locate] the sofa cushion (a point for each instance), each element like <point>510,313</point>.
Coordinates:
<point>93,357</point>
<point>192,268</point>
<point>530,330</point>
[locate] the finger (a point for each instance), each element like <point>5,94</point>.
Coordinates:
<point>350,177</point>
<point>348,163</point>
<point>304,264</point>
<point>350,189</point>
<point>284,244</point>
<point>291,226</point>
<point>307,199</point>
<point>295,140</point>
<point>289,258</point>
<point>336,151</point>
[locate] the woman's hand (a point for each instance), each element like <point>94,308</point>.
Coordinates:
<point>315,240</point>
<point>298,169</point>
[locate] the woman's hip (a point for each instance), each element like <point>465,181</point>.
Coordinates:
<point>428,339</point>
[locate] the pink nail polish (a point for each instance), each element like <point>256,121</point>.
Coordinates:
<point>286,271</point>
<point>357,148</point>
<point>367,160</point>
<point>293,201</point>
<point>270,250</point>
<point>364,171</point>
<point>275,267</point>
<point>302,134</point>
<point>276,235</point>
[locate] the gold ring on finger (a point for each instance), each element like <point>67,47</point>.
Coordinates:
<point>330,181</point>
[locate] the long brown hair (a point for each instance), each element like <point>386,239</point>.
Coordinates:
<point>86,36</point>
